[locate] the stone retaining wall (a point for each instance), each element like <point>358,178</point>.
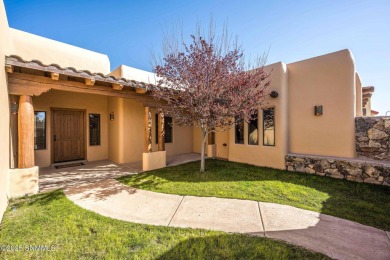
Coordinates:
<point>372,137</point>
<point>341,168</point>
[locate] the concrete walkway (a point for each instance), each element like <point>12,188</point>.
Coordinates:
<point>51,178</point>
<point>335,237</point>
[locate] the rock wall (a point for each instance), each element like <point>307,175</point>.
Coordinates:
<point>358,170</point>
<point>372,137</point>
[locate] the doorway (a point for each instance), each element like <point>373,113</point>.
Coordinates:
<point>68,135</point>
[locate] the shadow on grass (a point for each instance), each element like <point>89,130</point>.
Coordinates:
<point>229,247</point>
<point>40,199</point>
<point>361,202</point>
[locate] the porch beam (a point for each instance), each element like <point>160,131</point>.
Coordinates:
<point>25,132</point>
<point>32,85</point>
<point>161,132</point>
<point>148,130</point>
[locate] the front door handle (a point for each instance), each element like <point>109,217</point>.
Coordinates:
<point>55,138</point>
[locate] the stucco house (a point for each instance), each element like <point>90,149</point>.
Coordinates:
<point>62,103</point>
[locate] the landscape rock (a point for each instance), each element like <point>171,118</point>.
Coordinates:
<point>334,173</point>
<point>374,144</point>
<point>372,137</point>
<point>342,168</point>
<point>375,134</point>
<point>372,181</point>
<point>310,170</point>
<point>387,124</point>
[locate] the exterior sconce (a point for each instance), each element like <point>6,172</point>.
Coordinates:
<point>274,94</point>
<point>112,116</point>
<point>318,110</point>
<point>14,108</point>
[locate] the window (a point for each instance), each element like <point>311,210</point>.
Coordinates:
<point>269,127</point>
<point>40,130</point>
<point>168,129</point>
<point>253,133</point>
<point>94,129</point>
<point>239,131</point>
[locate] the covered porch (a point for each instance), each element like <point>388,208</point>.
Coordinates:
<point>129,133</point>
<point>51,178</point>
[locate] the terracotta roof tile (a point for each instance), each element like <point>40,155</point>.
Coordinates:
<point>73,72</point>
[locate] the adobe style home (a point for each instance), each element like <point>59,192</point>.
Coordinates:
<point>62,103</point>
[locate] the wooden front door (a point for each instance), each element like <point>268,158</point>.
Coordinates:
<point>68,135</point>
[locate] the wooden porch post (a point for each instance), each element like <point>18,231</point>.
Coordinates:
<point>25,132</point>
<point>148,131</point>
<point>161,132</point>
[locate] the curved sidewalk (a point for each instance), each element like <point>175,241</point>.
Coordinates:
<point>335,237</point>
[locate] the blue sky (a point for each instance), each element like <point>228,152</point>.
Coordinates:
<point>294,30</point>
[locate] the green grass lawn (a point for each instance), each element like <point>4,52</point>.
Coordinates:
<point>364,203</point>
<point>75,233</point>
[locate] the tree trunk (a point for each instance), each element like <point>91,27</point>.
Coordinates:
<point>203,149</point>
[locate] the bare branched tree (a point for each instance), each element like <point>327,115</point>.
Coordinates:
<point>206,83</point>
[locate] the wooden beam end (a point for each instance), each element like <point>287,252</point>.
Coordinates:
<point>117,86</point>
<point>54,75</point>
<point>140,90</point>
<point>9,68</point>
<point>89,82</point>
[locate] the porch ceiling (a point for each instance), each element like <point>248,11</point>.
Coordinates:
<point>34,78</point>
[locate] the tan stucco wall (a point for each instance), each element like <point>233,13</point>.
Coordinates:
<point>358,95</point>
<point>127,72</point>
<point>196,140</point>
<point>327,80</point>
<point>182,138</point>
<point>222,138</point>
<point>126,132</point>
<point>5,47</point>
<point>269,156</point>
<point>23,181</point>
<point>33,47</point>
<point>91,103</point>
<point>154,160</point>
<point>368,107</point>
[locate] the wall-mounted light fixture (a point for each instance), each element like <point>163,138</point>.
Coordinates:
<point>318,110</point>
<point>274,94</point>
<point>14,108</point>
<point>112,116</point>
